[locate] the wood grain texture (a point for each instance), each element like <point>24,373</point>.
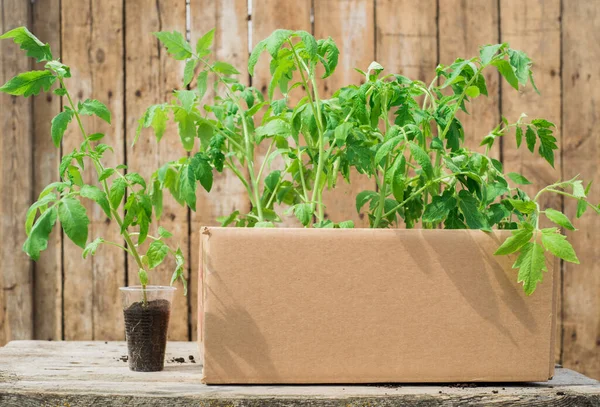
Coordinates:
<point>267,16</point>
<point>581,155</point>
<point>464,26</point>
<point>47,297</point>
<point>229,19</point>
<point>406,37</point>
<point>351,25</point>
<point>54,376</point>
<point>534,27</point>
<point>16,285</point>
<point>152,75</point>
<point>93,47</point>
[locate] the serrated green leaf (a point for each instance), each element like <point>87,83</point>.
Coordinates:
<point>363,197</point>
<point>59,126</point>
<point>92,247</point>
<point>507,72</point>
<point>422,158</point>
<point>74,220</point>
<point>341,132</point>
<point>42,202</point>
<point>59,68</point>
<point>525,207</point>
<point>487,52</point>
<point>176,44</point>
<point>164,233</point>
<point>187,99</point>
<point>29,83</point>
<point>531,263</point>
<point>272,180</point>
<point>520,63</point>
<point>328,54</point>
<point>386,148</point>
<point>547,145</point>
<point>97,195</point>
<point>519,136</point>
<point>95,107</point>
<point>559,218</point>
<point>205,42</point>
<point>187,186</point>
<point>558,245</point>
<point>518,178</point>
<point>30,43</point>
<point>202,84</point>
<point>518,239</point>
<point>347,224</point>
<point>202,171</point>
<point>225,68</point>
<point>439,208</point>
<point>116,192</point>
<point>303,213</point>
<point>187,128</point>
<point>37,241</point>
<point>276,127</point>
<point>530,138</point>
<point>469,206</point>
<point>157,251</point>
<point>188,71</point>
<point>253,59</point>
<point>276,40</point>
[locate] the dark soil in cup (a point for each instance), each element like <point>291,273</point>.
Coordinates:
<point>146,332</point>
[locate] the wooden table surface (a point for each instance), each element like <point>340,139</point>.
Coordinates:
<point>42,373</point>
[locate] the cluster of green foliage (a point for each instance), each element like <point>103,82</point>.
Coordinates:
<point>402,132</point>
<point>116,191</point>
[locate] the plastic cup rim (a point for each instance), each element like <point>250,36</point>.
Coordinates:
<point>148,288</point>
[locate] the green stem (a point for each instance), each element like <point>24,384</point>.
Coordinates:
<point>99,169</point>
<point>382,195</point>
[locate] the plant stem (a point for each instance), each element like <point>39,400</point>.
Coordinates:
<point>99,169</point>
<point>382,194</point>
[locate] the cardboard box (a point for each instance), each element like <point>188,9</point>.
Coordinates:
<point>365,306</point>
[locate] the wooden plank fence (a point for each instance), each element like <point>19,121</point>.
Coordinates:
<point>115,59</point>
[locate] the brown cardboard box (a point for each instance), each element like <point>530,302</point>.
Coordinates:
<point>363,305</point>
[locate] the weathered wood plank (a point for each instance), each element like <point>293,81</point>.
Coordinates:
<point>91,373</point>
<point>267,16</point>
<point>92,46</point>
<point>350,23</point>
<point>16,285</point>
<point>464,26</point>
<point>581,153</point>
<point>230,20</point>
<point>152,75</point>
<point>534,27</point>
<point>406,37</point>
<point>48,270</point>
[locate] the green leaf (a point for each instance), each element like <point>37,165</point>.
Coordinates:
<point>310,44</point>
<point>187,186</point>
<point>205,42</point>
<point>347,224</point>
<point>519,136</point>
<point>422,159</point>
<point>106,174</point>
<point>202,171</point>
<point>530,138</point>
<point>143,277</point>
<point>187,128</point>
<point>187,99</point>
<point>157,251</point>
<point>29,42</point>
<point>521,64</point>
<point>363,197</point>
<point>227,220</point>
<point>518,178</point>
<point>188,71</point>
<point>94,193</point>
<point>264,224</point>
<point>328,54</point>
<point>176,44</point>
<point>304,212</point>
<point>253,59</point>
<point>92,247</point>
<point>469,206</point>
<point>276,127</point>
<point>518,239</point>
<point>225,68</point>
<point>525,207</point>
<point>37,241</point>
<point>559,218</point>
<point>487,52</point>
<point>59,126</point>
<point>507,72</point>
<point>164,233</point>
<point>202,83</point>
<point>29,83</point>
<point>531,263</point>
<point>272,180</point>
<point>93,106</point>
<point>276,40</point>
<point>95,136</point>
<point>73,220</point>
<point>155,117</point>
<point>558,245</point>
<point>116,192</point>
<point>33,209</point>
<point>439,208</point>
<point>342,131</point>
<point>60,69</point>
<point>386,148</point>
<point>472,91</point>
<point>547,145</point>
